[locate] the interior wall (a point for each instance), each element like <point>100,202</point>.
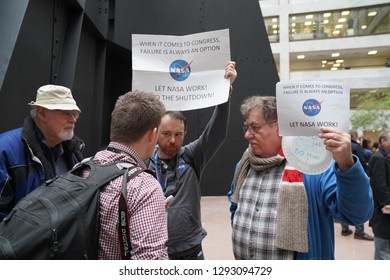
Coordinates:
<point>86,46</point>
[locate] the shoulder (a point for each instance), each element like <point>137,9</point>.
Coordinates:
<point>186,154</point>
<point>11,139</point>
<point>11,133</point>
<point>378,155</point>
<point>144,181</point>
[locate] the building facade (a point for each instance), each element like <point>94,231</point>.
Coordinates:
<point>340,41</point>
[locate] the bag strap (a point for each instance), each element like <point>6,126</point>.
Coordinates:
<point>123,228</point>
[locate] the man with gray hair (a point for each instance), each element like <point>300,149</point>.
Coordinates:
<point>40,150</point>
<point>278,212</point>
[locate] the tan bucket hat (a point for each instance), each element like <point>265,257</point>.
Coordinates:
<point>54,97</point>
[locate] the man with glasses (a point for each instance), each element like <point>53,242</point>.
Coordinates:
<point>179,170</point>
<point>279,213</point>
<point>40,150</point>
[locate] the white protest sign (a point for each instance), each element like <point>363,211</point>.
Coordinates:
<point>306,106</point>
<point>186,72</point>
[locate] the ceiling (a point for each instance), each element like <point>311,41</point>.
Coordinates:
<point>344,54</point>
<point>315,58</point>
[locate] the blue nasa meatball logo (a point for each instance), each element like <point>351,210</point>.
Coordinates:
<point>311,107</point>
<point>180,70</point>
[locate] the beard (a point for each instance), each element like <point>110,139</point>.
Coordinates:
<point>65,135</point>
<point>170,151</point>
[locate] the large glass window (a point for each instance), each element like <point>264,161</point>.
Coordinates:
<point>340,23</point>
<point>272,27</point>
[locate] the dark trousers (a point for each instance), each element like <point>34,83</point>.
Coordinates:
<point>359,229</point>
<point>195,253</point>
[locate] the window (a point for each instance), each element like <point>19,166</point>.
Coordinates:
<point>340,23</point>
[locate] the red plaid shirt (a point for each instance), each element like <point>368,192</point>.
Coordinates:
<point>147,215</point>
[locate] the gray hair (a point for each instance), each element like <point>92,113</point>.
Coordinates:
<point>134,114</point>
<point>354,134</point>
<point>265,104</point>
<point>383,136</point>
<point>33,113</point>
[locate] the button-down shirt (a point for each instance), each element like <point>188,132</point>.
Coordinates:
<point>254,221</point>
<point>147,215</point>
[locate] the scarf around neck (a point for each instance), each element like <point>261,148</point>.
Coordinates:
<point>292,206</point>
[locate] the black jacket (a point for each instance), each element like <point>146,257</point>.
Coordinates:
<point>379,172</point>
<point>358,151</point>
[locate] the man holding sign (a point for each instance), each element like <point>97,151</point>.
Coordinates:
<point>179,170</point>
<point>186,73</point>
<point>279,212</point>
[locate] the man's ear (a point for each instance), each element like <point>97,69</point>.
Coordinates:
<point>41,113</point>
<point>153,133</point>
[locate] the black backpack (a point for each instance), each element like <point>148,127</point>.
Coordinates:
<point>60,219</point>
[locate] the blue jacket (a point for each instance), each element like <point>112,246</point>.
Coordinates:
<point>344,196</point>
<point>23,166</point>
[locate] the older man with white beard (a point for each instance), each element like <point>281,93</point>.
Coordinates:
<point>40,150</point>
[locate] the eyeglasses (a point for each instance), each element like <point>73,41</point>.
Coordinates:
<point>69,114</point>
<point>168,134</point>
<point>254,128</point>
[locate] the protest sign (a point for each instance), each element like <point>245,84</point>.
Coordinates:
<point>306,106</point>
<point>185,72</point>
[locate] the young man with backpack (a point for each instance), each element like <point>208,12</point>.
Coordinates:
<point>135,124</point>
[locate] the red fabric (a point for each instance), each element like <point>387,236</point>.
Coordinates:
<point>291,175</point>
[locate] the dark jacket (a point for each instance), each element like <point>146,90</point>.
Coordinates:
<point>379,172</point>
<point>358,151</point>
<point>184,176</point>
<point>23,166</point>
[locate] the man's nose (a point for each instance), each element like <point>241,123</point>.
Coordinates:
<point>248,135</point>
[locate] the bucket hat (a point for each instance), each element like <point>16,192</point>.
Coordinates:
<point>54,97</point>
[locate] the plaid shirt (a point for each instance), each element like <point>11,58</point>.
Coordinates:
<point>254,223</point>
<point>147,215</point>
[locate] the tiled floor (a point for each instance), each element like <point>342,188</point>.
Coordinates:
<point>217,244</point>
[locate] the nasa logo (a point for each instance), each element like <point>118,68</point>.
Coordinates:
<point>311,107</point>
<point>180,70</point>
<point>182,166</point>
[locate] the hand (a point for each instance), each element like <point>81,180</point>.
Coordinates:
<point>230,71</point>
<point>339,144</point>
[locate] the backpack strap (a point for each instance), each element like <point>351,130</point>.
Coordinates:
<point>124,229</point>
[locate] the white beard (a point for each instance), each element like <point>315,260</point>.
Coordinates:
<point>65,135</point>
